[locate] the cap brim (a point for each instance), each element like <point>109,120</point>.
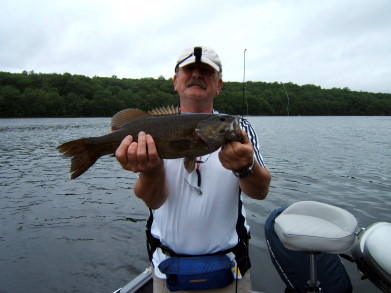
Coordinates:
<point>204,60</point>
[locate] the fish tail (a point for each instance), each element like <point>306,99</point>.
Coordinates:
<point>82,153</point>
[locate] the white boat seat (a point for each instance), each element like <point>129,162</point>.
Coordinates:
<point>316,227</point>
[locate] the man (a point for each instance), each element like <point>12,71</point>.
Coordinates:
<point>198,213</point>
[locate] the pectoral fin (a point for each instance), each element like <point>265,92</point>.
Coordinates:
<point>189,164</point>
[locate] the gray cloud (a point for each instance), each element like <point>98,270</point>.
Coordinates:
<point>330,43</point>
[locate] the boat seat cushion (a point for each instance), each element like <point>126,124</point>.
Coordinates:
<point>316,227</point>
<point>294,266</point>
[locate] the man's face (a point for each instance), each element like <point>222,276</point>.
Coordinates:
<point>197,81</point>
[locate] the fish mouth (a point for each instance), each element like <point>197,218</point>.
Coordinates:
<point>233,130</point>
<point>234,125</point>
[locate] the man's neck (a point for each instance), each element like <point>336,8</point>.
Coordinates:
<point>196,107</point>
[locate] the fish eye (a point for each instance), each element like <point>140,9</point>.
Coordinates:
<point>222,118</point>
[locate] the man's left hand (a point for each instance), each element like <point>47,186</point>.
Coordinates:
<point>236,155</point>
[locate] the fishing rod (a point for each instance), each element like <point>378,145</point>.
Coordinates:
<point>244,87</point>
<point>287,106</point>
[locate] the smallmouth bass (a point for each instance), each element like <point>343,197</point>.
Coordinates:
<point>176,136</point>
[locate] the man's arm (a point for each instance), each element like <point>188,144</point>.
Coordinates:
<point>142,157</point>
<point>238,156</point>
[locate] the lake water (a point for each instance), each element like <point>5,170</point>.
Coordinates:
<point>87,235</point>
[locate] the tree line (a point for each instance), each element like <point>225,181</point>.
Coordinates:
<point>30,94</point>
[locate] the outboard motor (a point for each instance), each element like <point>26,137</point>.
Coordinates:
<point>372,254</point>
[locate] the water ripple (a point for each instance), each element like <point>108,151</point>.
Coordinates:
<point>94,226</point>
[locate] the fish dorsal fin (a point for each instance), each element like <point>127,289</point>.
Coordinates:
<point>128,115</point>
<point>169,110</point>
<point>125,116</point>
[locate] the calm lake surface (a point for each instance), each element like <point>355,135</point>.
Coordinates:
<point>87,235</point>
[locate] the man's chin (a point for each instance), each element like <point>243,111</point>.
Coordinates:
<point>196,92</point>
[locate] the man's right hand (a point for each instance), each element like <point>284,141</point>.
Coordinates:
<point>140,156</point>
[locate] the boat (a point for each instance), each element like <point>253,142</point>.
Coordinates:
<point>370,247</point>
<point>141,284</point>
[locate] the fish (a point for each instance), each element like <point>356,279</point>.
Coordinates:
<point>176,135</point>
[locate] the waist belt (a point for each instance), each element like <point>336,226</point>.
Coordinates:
<point>240,251</point>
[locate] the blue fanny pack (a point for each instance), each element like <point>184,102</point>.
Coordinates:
<point>197,272</point>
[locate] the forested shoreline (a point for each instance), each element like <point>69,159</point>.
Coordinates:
<point>30,94</point>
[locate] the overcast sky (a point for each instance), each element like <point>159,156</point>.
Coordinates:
<point>331,43</point>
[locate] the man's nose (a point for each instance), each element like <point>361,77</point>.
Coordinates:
<point>197,72</point>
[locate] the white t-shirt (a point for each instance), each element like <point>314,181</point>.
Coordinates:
<point>202,219</point>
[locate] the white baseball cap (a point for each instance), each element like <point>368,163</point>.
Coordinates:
<point>200,54</point>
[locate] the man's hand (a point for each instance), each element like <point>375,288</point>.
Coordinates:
<point>236,155</point>
<point>140,156</point>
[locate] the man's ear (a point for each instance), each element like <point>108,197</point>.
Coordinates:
<point>219,86</point>
<point>175,81</point>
